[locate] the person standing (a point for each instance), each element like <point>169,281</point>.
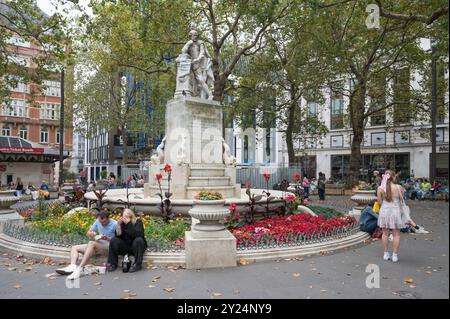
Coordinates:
<point>390,217</point>
<point>321,186</point>
<point>305,185</point>
<point>130,239</point>
<point>19,188</point>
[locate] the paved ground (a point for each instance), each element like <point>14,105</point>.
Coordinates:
<point>423,258</point>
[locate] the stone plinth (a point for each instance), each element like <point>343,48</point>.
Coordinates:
<point>210,252</point>
<point>194,131</point>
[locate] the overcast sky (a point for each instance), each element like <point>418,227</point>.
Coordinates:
<point>49,8</point>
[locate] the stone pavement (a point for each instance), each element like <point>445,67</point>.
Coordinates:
<point>423,258</point>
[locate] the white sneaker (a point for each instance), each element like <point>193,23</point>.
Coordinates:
<point>76,273</point>
<point>395,258</point>
<point>391,237</point>
<point>421,230</point>
<point>387,256</point>
<point>66,270</point>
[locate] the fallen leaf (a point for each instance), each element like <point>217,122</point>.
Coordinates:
<point>310,287</point>
<point>29,269</point>
<point>125,297</point>
<point>296,274</point>
<point>323,290</point>
<point>216,294</point>
<point>243,261</point>
<point>408,280</point>
<point>97,284</point>
<point>17,286</point>
<point>12,268</point>
<point>236,291</point>
<point>7,264</point>
<point>169,289</point>
<point>133,294</point>
<point>412,286</point>
<point>126,291</point>
<point>50,275</point>
<point>151,286</point>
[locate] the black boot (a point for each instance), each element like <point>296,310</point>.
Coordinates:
<point>135,267</point>
<point>111,268</point>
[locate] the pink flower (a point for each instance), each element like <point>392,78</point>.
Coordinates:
<point>233,207</point>
<point>297,177</point>
<point>266,176</point>
<point>158,177</point>
<point>247,184</point>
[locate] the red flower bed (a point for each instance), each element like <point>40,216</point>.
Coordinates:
<point>285,227</point>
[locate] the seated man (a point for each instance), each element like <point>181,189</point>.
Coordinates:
<point>106,229</point>
<point>368,220</point>
<point>130,239</point>
<point>425,188</point>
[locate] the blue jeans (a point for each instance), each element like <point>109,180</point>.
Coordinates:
<point>306,191</point>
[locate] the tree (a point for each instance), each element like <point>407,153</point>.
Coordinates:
<point>283,73</point>
<point>368,56</point>
<point>22,20</point>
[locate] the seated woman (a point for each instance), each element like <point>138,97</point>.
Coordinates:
<point>106,229</point>
<point>129,239</point>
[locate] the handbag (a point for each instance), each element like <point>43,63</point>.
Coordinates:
<point>405,211</point>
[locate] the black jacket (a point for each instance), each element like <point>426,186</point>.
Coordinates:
<point>130,232</point>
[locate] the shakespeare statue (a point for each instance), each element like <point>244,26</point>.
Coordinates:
<point>194,74</point>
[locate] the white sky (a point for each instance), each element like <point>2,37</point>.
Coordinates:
<point>48,7</point>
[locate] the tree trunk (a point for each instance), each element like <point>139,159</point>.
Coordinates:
<point>290,126</point>
<point>357,109</point>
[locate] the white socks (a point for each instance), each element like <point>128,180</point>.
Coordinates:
<point>387,256</point>
<point>394,257</point>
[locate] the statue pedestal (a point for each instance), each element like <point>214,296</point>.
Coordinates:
<point>210,252</point>
<point>194,149</point>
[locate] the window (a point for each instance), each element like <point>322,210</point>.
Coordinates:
<point>23,133</point>
<point>44,135</point>
<point>49,111</point>
<point>378,138</point>
<point>377,94</point>
<point>15,40</point>
<point>312,109</point>
<point>57,136</point>
<point>52,88</point>
<point>337,141</point>
<point>401,137</point>
<point>6,131</point>
<point>337,107</point>
<point>440,134</point>
<point>340,166</point>
<point>17,108</point>
<point>402,96</point>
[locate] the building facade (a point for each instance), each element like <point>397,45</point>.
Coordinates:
<point>32,115</point>
<point>403,145</point>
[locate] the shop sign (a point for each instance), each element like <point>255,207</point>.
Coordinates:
<point>443,148</point>
<point>2,168</point>
<point>21,150</point>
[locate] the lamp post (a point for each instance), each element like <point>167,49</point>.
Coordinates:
<point>61,132</point>
<point>433,113</point>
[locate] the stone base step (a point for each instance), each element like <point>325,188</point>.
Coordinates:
<point>209,181</point>
<point>226,191</point>
<point>207,171</point>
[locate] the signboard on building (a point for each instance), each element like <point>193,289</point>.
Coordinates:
<point>2,168</point>
<point>443,149</point>
<point>21,150</point>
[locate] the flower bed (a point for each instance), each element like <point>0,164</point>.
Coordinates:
<point>52,223</point>
<point>293,229</point>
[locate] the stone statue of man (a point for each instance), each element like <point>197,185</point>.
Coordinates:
<point>201,65</point>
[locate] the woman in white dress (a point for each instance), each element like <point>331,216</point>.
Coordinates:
<point>390,216</point>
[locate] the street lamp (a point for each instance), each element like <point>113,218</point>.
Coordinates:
<point>433,112</point>
<point>61,132</point>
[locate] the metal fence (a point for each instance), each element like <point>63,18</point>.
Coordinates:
<point>254,175</point>
<point>31,235</point>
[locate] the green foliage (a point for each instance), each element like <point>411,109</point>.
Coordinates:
<point>204,195</point>
<point>326,211</point>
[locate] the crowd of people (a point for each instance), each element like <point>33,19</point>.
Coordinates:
<point>20,189</point>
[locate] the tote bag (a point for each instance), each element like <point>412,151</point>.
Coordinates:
<point>405,211</point>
